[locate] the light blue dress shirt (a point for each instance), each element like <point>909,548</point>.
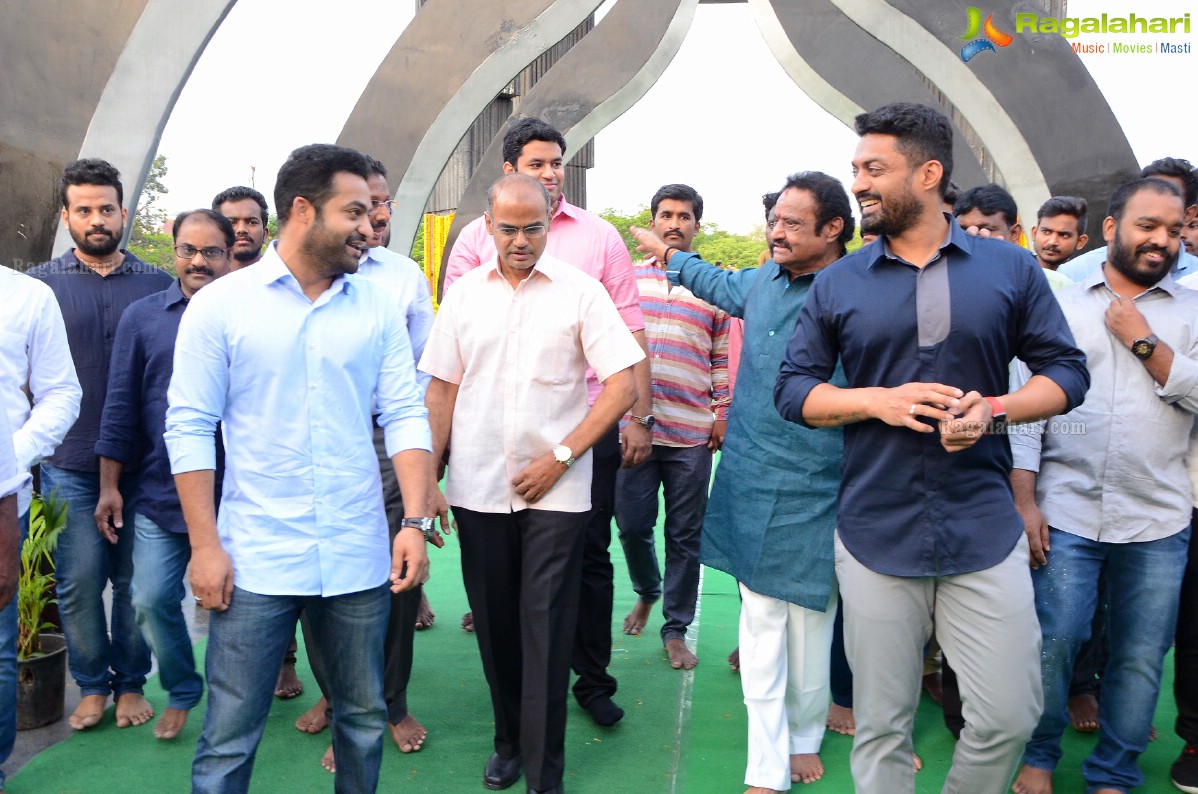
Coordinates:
<point>405,281</point>
<point>291,382</point>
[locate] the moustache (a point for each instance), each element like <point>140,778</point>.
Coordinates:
<point>99,230</point>
<point>1152,249</point>
<point>202,270</point>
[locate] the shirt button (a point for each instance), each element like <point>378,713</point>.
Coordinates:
<point>771,333</point>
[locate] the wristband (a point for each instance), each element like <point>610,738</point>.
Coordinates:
<point>665,258</point>
<point>996,409</point>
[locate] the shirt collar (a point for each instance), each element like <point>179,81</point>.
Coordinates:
<point>1167,284</point>
<point>547,266</point>
<point>566,208</point>
<point>271,268</point>
<point>956,237</point>
<point>173,295</point>
<point>126,265</point>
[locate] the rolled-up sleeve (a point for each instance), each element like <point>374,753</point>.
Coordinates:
<point>1181,387</point>
<point>199,388</point>
<point>810,359</point>
<point>1045,343</point>
<point>619,279</point>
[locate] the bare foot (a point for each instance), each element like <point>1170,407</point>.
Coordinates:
<point>313,720</point>
<point>409,735</point>
<point>288,685</point>
<point>1152,734</point>
<point>761,790</point>
<point>1031,780</point>
<point>468,622</point>
<point>734,659</point>
<point>916,762</point>
<point>840,719</point>
<point>170,724</point>
<point>931,685</point>
<point>805,767</point>
<point>634,621</point>
<point>681,657</point>
<point>328,762</point>
<point>1083,713</point>
<point>425,616</point>
<point>88,712</point>
<point>133,709</point>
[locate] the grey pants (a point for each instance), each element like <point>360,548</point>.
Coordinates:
<point>986,623</point>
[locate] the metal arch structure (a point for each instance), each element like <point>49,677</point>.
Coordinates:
<point>112,96</point>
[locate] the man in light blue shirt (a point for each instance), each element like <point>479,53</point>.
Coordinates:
<point>292,356</point>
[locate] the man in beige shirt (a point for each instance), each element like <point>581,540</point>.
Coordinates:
<point>508,355</point>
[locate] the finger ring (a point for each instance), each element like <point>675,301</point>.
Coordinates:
<point>199,600</point>
<point>912,409</point>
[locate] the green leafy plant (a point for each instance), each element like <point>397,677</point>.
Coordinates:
<point>47,519</point>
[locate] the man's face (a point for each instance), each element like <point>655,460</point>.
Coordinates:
<point>542,160</point>
<point>380,210</point>
<point>515,218</point>
<point>1189,235</point>
<point>882,184</point>
<point>341,231</point>
<point>675,223</point>
<point>1056,239</point>
<point>995,224</point>
<point>795,242</point>
<point>246,217</point>
<point>1144,245</point>
<point>201,235</point>
<point>95,219</point>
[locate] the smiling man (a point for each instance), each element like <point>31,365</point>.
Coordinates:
<point>293,357</point>
<point>246,209</point>
<point>131,438</point>
<point>924,323</point>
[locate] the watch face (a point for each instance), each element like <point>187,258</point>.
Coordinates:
<point>1142,348</point>
<point>649,421</point>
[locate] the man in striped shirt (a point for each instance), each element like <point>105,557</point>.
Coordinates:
<point>688,359</point>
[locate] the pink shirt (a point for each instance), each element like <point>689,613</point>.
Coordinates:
<point>520,357</point>
<point>577,237</point>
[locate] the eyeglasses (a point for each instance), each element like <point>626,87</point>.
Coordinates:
<point>211,253</point>
<point>531,232</point>
<point>390,204</point>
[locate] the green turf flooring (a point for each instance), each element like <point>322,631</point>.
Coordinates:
<point>682,732</point>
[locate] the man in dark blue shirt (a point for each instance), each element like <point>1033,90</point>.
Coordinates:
<point>93,283</point>
<point>925,321</point>
<point>131,431</point>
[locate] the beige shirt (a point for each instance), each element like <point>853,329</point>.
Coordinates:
<point>519,357</point>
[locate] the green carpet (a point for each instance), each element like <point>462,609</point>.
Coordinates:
<point>682,733</point>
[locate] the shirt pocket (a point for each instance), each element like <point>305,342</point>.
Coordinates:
<point>555,357</point>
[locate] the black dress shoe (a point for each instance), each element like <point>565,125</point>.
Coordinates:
<point>501,772</point>
<point>555,790</point>
<point>604,712</point>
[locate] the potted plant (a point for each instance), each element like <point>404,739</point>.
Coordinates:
<point>41,655</point>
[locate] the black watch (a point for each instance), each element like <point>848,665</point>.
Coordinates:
<point>648,420</point>
<point>1143,348</point>
<point>427,526</point>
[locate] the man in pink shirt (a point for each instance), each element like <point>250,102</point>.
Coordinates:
<point>593,245</point>
<point>508,356</point>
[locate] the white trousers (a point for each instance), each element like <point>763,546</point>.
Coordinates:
<point>784,658</point>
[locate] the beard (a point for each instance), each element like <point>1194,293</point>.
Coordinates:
<point>1123,258</point>
<point>248,255</point>
<point>897,214</point>
<point>327,250</point>
<point>104,248</point>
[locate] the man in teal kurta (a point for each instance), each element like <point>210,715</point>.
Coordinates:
<point>771,514</point>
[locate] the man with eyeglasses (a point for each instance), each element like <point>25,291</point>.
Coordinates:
<point>403,279</point>
<point>131,431</point>
<point>592,245</point>
<point>94,282</point>
<point>508,356</point>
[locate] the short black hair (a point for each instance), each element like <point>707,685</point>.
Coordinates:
<point>241,193</point>
<point>678,192</point>
<point>376,166</point>
<point>525,130</point>
<point>922,132</point>
<point>1065,205</point>
<point>222,223</point>
<point>90,171</point>
<point>309,172</point>
<point>1124,192</point>
<point>988,199</point>
<point>952,193</point>
<point>831,202</point>
<point>1178,168</point>
<point>768,201</point>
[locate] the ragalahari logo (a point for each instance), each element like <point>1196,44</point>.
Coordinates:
<point>979,45</point>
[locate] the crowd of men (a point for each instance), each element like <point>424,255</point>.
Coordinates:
<point>941,440</point>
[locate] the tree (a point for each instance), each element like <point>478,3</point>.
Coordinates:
<point>147,240</point>
<point>639,218</point>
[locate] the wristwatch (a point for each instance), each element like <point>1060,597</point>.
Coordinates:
<point>563,455</point>
<point>1143,348</point>
<point>427,526</point>
<point>648,420</point>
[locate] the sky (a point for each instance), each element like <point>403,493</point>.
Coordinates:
<point>724,117</point>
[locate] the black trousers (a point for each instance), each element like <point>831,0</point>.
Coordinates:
<point>1185,650</point>
<point>401,619</point>
<point>592,640</point>
<point>521,572</point>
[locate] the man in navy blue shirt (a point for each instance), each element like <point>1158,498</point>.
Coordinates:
<point>131,431</point>
<point>94,282</point>
<point>925,321</point>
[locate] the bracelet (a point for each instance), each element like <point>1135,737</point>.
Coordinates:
<point>665,258</point>
<point>996,409</point>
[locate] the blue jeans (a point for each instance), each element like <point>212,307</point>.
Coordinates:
<point>685,475</point>
<point>246,644</point>
<point>8,671</point>
<point>85,564</point>
<point>1143,586</point>
<point>160,560</point>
